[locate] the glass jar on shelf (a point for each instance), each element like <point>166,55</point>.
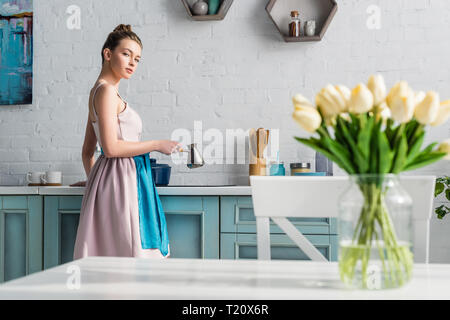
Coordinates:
<point>277,169</point>
<point>300,167</point>
<point>295,25</point>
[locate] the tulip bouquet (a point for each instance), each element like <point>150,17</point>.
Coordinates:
<point>370,131</point>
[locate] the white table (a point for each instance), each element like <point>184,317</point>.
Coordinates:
<point>130,278</point>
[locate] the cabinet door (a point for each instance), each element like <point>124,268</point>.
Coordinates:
<point>20,236</point>
<point>61,215</point>
<point>243,246</point>
<point>193,226</point>
<point>236,215</point>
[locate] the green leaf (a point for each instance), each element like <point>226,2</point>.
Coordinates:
<point>364,137</point>
<point>428,149</point>
<point>424,160</point>
<point>423,153</point>
<point>439,189</point>
<point>442,211</point>
<point>410,129</point>
<point>415,147</point>
<point>400,158</point>
<point>354,125</point>
<point>362,120</point>
<point>338,133</point>
<point>342,154</point>
<point>393,134</point>
<point>374,148</point>
<point>447,194</point>
<point>385,155</point>
<point>342,129</point>
<point>316,145</point>
<point>389,131</point>
<point>415,134</point>
<point>399,132</point>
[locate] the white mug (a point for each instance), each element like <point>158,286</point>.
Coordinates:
<point>51,177</point>
<point>34,177</point>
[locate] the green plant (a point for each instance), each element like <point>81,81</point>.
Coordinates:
<point>442,185</point>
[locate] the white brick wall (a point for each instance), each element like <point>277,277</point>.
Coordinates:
<point>236,73</point>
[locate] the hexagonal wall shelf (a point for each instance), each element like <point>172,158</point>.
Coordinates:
<point>322,11</point>
<point>220,15</point>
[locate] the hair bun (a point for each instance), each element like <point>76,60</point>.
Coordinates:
<point>123,28</point>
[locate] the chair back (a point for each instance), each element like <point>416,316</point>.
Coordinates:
<point>279,197</point>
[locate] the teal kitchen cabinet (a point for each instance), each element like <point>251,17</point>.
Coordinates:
<point>236,215</point>
<point>38,232</point>
<point>61,215</point>
<point>238,232</point>
<point>192,224</point>
<point>20,236</point>
<point>243,246</point>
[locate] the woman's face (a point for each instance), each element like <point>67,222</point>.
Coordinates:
<point>125,58</point>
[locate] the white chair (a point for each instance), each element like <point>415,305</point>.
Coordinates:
<point>279,197</point>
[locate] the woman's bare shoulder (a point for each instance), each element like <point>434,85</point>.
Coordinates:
<point>102,92</point>
<point>105,93</point>
<point>105,89</point>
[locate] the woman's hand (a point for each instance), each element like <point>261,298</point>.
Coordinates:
<point>168,147</point>
<point>79,184</point>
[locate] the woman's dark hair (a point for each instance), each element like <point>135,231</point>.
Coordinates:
<point>122,31</point>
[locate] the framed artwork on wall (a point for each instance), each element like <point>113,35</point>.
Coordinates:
<point>16,52</point>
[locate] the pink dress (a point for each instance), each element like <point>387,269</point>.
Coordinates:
<point>109,216</point>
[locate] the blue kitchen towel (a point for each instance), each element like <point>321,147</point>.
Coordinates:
<point>152,221</point>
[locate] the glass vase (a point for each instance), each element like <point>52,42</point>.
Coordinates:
<point>375,233</point>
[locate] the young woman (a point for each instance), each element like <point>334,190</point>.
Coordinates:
<point>121,213</point>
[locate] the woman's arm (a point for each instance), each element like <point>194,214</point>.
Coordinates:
<point>89,145</point>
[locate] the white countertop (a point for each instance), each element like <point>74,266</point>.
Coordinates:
<point>211,279</point>
<point>178,190</point>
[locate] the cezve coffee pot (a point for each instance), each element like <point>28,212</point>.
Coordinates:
<point>195,159</point>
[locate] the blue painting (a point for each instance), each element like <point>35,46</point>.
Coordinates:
<point>16,52</point>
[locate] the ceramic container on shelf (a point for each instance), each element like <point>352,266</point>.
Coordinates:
<point>213,6</point>
<point>310,28</point>
<point>300,167</point>
<point>200,8</point>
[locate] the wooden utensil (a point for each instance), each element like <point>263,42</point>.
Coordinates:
<point>263,135</point>
<point>253,145</point>
<point>258,168</point>
<point>260,139</point>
